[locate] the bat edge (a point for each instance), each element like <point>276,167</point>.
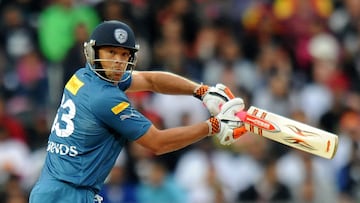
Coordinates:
<point>335,148</point>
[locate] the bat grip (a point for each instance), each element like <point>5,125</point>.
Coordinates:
<point>241,115</point>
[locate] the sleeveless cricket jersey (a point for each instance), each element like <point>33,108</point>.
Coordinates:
<point>94,121</point>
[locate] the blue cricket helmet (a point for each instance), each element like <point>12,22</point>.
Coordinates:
<point>114,33</point>
<point>110,33</point>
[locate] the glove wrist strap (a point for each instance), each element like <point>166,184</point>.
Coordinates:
<point>200,91</point>
<point>214,125</point>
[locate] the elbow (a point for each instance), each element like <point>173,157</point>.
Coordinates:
<point>159,152</point>
<point>159,148</point>
<point>156,142</point>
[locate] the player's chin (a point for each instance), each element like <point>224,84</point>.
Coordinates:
<point>116,76</point>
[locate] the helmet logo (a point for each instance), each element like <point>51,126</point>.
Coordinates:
<point>120,35</point>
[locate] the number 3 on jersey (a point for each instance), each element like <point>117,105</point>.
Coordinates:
<point>64,116</point>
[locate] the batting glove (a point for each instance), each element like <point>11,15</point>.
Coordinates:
<point>213,97</point>
<point>226,126</point>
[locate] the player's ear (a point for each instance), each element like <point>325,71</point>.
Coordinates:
<point>89,51</point>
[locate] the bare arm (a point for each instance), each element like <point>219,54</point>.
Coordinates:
<point>226,126</point>
<point>162,82</point>
<point>172,139</point>
<point>164,141</point>
<point>168,140</point>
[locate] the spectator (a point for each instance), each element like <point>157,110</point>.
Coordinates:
<point>269,188</point>
<point>205,173</point>
<point>17,36</point>
<point>251,151</point>
<point>275,92</point>
<point>75,57</point>
<point>344,23</point>
<point>347,156</point>
<point>229,66</point>
<point>301,20</point>
<point>348,181</point>
<point>56,26</point>
<point>180,106</point>
<point>171,52</point>
<point>159,186</point>
<point>316,97</point>
<point>57,23</point>
<point>184,11</point>
<point>14,191</point>
<point>112,10</point>
<point>13,125</point>
<point>118,188</point>
<point>30,86</point>
<point>308,177</point>
<point>14,156</point>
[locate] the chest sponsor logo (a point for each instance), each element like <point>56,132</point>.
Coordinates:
<point>62,149</point>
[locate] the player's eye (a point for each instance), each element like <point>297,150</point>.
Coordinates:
<point>126,55</point>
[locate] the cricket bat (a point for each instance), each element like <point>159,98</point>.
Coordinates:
<point>290,132</point>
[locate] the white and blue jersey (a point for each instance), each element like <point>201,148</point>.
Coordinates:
<point>93,123</point>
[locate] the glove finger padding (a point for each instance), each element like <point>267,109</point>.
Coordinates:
<point>230,108</point>
<point>214,97</point>
<point>231,127</point>
<point>229,135</point>
<point>221,91</point>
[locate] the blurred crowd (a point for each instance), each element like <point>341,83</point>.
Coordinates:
<point>296,58</point>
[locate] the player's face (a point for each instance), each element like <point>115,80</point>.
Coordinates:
<point>114,61</point>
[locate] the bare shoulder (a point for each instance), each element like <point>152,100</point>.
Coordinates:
<point>139,75</point>
<point>139,81</point>
<point>136,74</point>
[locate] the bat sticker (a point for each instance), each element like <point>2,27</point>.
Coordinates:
<point>261,123</point>
<point>299,142</point>
<point>289,132</point>
<point>300,132</point>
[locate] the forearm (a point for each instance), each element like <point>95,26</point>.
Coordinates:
<point>172,139</point>
<point>163,82</point>
<point>169,83</point>
<point>183,136</point>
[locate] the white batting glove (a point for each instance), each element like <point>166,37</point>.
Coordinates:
<point>226,126</point>
<point>213,97</point>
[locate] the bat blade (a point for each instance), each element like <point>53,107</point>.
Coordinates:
<point>290,132</point>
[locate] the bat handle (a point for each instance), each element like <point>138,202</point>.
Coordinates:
<point>241,130</point>
<point>241,115</point>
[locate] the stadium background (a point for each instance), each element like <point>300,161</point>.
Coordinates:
<point>297,58</point>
